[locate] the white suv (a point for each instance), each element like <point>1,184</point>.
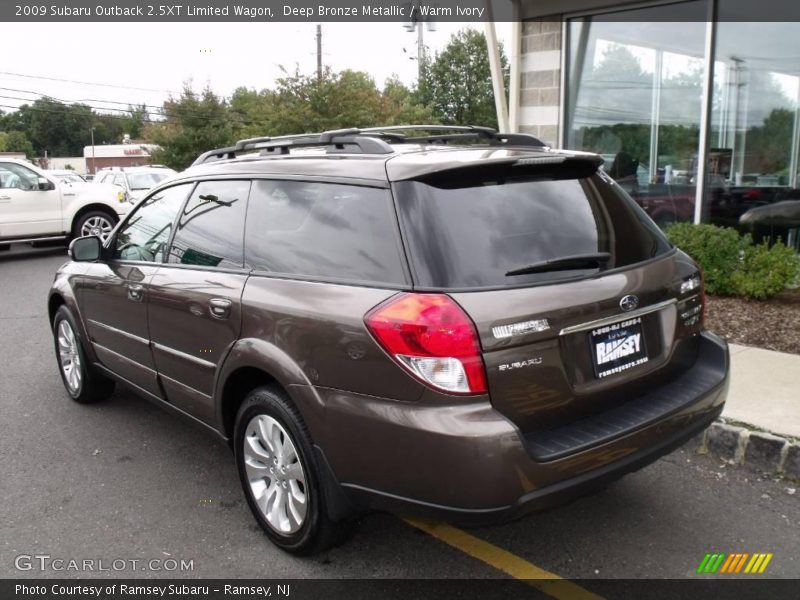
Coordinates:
<point>134,181</point>
<point>37,207</point>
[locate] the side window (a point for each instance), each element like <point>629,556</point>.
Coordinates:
<point>145,234</point>
<point>211,227</point>
<point>323,230</point>
<point>18,177</point>
<point>119,180</point>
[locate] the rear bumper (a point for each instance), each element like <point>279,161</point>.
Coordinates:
<point>469,464</point>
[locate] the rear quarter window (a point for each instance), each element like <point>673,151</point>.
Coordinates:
<point>465,230</point>
<point>323,231</point>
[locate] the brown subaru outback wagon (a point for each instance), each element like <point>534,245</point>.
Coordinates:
<point>438,321</point>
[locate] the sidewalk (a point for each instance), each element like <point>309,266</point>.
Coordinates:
<point>760,425</point>
<point>764,390</point>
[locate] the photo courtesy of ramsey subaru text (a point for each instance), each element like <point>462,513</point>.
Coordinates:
<point>436,321</point>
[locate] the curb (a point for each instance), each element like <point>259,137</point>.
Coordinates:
<point>756,449</point>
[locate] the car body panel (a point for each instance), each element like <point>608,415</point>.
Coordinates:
<point>114,297</point>
<point>188,340</point>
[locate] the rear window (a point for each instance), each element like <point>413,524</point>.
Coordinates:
<point>469,231</point>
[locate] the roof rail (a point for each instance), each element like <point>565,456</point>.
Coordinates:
<point>462,132</point>
<point>371,140</point>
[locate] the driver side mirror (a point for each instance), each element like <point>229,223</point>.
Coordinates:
<point>45,184</point>
<point>85,249</point>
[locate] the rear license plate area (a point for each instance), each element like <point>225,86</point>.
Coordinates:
<point>617,347</point>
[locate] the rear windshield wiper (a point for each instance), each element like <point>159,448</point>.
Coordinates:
<point>565,263</point>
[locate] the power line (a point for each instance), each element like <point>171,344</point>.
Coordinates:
<point>159,112</point>
<point>110,85</point>
<point>81,100</point>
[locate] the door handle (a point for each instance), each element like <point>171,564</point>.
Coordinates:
<point>5,198</point>
<point>220,307</point>
<point>135,292</point>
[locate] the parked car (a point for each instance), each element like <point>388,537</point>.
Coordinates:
<point>397,319</point>
<point>35,207</point>
<point>66,175</point>
<point>134,181</point>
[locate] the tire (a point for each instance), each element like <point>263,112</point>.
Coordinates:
<point>286,498</point>
<point>95,222</point>
<point>83,383</point>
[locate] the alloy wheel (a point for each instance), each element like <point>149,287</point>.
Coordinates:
<point>275,474</point>
<point>69,356</point>
<point>97,225</point>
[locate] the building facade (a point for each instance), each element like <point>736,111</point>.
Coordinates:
<point>117,155</point>
<point>695,110</point>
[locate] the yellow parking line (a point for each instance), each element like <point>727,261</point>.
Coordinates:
<point>503,560</point>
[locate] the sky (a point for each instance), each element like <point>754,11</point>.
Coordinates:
<point>144,62</point>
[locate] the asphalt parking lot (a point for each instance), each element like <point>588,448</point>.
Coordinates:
<point>123,480</point>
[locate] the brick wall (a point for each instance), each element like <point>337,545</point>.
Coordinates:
<point>540,79</point>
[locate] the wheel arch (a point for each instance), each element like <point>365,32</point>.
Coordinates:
<point>94,206</point>
<point>254,363</point>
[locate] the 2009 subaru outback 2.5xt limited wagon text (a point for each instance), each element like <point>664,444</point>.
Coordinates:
<point>436,321</point>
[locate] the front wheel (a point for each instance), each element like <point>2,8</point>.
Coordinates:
<point>84,384</point>
<point>280,475</point>
<point>95,222</point>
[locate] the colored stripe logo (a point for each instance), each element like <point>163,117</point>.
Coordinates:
<point>735,563</point>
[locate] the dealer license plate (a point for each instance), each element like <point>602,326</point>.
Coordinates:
<point>618,347</point>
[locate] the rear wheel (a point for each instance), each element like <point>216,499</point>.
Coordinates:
<point>95,222</point>
<point>280,476</point>
<point>83,382</point>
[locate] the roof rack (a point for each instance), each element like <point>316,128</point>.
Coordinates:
<point>371,140</point>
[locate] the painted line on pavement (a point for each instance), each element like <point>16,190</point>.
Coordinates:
<point>503,560</point>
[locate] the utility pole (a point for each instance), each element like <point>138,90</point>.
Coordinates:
<point>94,165</point>
<point>420,48</point>
<point>418,22</point>
<point>319,52</point>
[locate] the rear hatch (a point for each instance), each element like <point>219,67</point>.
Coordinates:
<point>580,302</point>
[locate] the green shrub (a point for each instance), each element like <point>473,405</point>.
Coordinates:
<point>766,271</point>
<point>717,249</point>
<point>732,265</point>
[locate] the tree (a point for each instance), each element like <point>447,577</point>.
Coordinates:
<point>59,129</point>
<point>15,141</point>
<point>457,83</point>
<point>192,124</point>
<point>307,103</point>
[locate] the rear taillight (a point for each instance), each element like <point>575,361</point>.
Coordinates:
<point>432,337</point>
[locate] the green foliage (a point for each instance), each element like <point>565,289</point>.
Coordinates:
<point>15,141</point>
<point>732,265</point>
<point>766,271</point>
<point>305,103</point>
<point>457,83</point>
<point>193,124</point>
<point>60,129</point>
<point>717,249</point>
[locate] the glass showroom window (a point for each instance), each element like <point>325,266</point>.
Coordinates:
<point>634,95</point>
<point>753,156</point>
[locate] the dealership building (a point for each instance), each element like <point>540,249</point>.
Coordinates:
<point>653,87</point>
<point>130,154</point>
